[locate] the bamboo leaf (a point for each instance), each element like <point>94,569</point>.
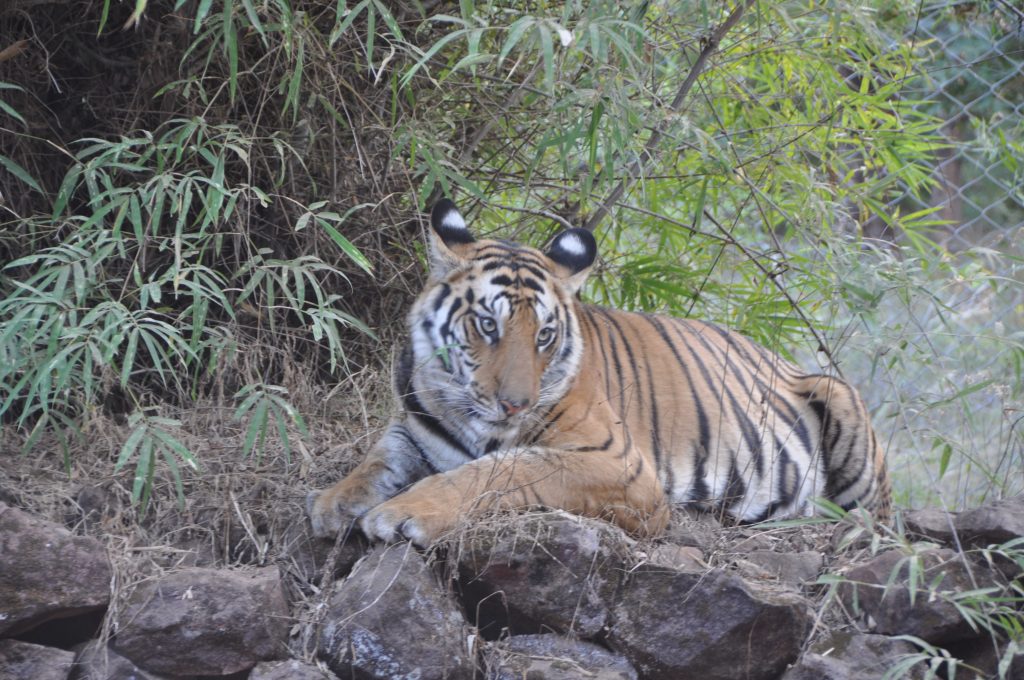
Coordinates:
<point>20,172</point>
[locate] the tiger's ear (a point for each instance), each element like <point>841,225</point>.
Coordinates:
<point>574,251</point>
<point>448,238</point>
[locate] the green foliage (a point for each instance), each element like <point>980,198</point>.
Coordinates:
<point>261,404</point>
<point>259,210</point>
<point>142,288</point>
<point>9,164</point>
<point>152,440</point>
<point>992,611</point>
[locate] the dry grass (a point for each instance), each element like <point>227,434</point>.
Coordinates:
<point>236,509</point>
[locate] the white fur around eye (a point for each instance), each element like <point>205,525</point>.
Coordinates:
<point>571,244</point>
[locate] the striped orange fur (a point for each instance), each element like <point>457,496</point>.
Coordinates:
<point>514,393</point>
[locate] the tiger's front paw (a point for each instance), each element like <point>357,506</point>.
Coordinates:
<point>419,520</point>
<point>332,511</point>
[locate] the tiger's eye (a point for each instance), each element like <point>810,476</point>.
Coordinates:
<point>545,335</point>
<point>488,325</point>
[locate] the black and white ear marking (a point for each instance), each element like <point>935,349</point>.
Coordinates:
<point>574,249</point>
<point>449,224</point>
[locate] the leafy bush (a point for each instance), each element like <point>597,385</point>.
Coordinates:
<point>246,205</point>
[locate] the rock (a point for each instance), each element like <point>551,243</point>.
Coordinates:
<point>292,669</point>
<point>855,531</point>
<point>391,619</point>
<point>46,572</point>
<point>852,656</point>
<point>881,589</point>
<point>552,657</point>
<point>996,522</point>
<point>984,657</point>
<point>677,624</point>
<point>694,529</point>
<point>23,660</point>
<point>683,557</point>
<point>98,662</point>
<point>794,568</point>
<point>542,572</point>
<point>204,622</point>
<point>818,667</point>
<point>933,524</point>
<point>303,556</point>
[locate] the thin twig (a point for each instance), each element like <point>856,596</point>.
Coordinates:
<point>646,158</point>
<point>533,211</point>
<point>774,276</point>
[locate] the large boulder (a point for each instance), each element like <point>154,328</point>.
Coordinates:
<point>390,618</point>
<point>204,622</point>
<point>552,657</point>
<point>23,660</point>
<point>714,626</point>
<point>882,589</point>
<point>542,572</point>
<point>46,572</point>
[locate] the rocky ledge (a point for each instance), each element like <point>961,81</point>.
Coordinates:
<point>539,596</point>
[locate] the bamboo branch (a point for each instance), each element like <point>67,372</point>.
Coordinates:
<point>646,158</point>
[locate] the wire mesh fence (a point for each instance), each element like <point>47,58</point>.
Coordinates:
<point>947,363</point>
<point>976,85</point>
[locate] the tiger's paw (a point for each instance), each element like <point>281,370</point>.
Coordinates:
<point>416,520</point>
<point>331,512</point>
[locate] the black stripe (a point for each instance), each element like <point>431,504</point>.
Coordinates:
<point>639,468</point>
<point>603,446</point>
<point>699,488</point>
<point>445,329</point>
<point>735,488</point>
<point>535,270</point>
<point>532,283</point>
<point>618,371</point>
<point>629,354</point>
<point>419,450</point>
<point>442,296</point>
<point>824,417</point>
<point>747,427</point>
<point>784,464</point>
<point>414,408</point>
<point>789,416</point>
<point>655,424</point>
<point>588,316</point>
<point>844,482</point>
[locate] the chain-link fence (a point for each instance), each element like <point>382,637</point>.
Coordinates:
<point>976,85</point>
<point>947,365</point>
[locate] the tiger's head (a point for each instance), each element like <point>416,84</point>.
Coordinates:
<point>495,337</point>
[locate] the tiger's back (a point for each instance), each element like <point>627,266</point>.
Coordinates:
<point>729,425</point>
<point>514,393</point>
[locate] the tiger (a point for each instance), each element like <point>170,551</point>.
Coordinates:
<point>515,394</point>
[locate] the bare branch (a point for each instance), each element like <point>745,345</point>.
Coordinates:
<point>646,158</point>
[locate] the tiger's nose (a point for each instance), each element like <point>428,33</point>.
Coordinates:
<point>511,407</point>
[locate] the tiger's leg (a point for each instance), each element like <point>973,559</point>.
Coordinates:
<point>624,489</point>
<point>392,465</point>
